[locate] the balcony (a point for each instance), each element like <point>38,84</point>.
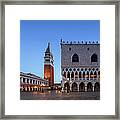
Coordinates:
<point>89,79</point>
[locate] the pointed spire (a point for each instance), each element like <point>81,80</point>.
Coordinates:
<point>48,48</point>
<point>61,40</point>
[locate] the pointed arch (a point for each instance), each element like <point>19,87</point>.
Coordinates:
<point>75,58</point>
<point>91,74</point>
<point>89,87</point>
<point>79,74</point>
<point>98,72</point>
<point>83,74</point>
<point>76,74</point>
<point>74,87</point>
<point>64,74</point>
<point>72,74</point>
<point>87,75</point>
<point>82,87</point>
<point>94,58</point>
<point>95,74</point>
<point>97,87</point>
<point>68,75</point>
<point>66,86</point>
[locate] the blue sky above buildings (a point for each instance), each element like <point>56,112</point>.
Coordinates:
<point>35,35</point>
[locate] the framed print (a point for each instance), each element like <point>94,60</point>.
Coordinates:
<point>59,59</point>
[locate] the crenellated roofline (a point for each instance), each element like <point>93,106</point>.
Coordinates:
<point>81,42</point>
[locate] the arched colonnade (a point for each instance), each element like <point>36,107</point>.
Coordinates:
<point>82,87</point>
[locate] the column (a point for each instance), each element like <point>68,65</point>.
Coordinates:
<point>22,88</point>
<point>70,87</point>
<point>21,80</point>
<point>89,75</point>
<point>85,87</point>
<point>93,76</point>
<point>81,75</point>
<point>29,88</point>
<point>85,75</point>
<point>62,73</point>
<point>65,74</point>
<point>97,76</point>
<point>37,82</point>
<point>70,76</point>
<point>32,88</point>
<point>29,81</point>
<point>62,87</point>
<point>78,75</point>
<point>78,87</point>
<point>93,87</point>
<point>25,80</point>
<point>25,88</point>
<point>74,75</point>
<point>32,81</point>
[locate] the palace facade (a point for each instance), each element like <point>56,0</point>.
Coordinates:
<point>80,66</point>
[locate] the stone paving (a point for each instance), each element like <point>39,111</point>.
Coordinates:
<point>58,95</point>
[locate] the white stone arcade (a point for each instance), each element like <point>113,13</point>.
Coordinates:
<point>85,80</point>
<point>31,82</point>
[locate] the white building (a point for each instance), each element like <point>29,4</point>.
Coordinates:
<point>31,82</point>
<point>80,66</point>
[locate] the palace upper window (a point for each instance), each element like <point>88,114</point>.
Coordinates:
<point>94,58</point>
<point>69,48</point>
<point>75,58</point>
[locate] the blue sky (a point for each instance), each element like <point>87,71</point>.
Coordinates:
<point>35,35</point>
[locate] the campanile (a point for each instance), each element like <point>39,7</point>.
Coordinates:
<point>49,66</point>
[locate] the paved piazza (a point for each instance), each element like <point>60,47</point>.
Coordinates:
<point>57,95</point>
